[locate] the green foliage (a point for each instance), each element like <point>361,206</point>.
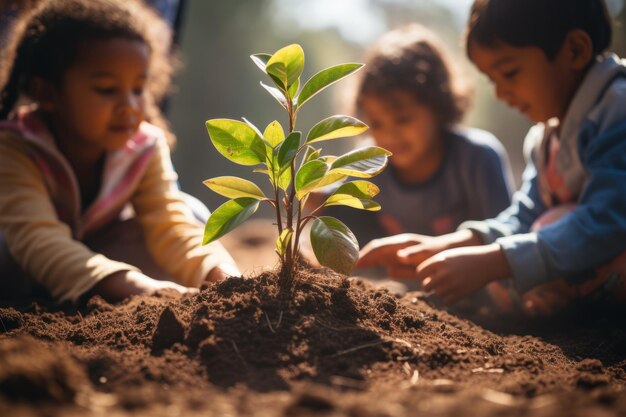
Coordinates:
<point>294,168</point>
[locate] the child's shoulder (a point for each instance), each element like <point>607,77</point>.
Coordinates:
<point>476,142</point>
<point>608,79</point>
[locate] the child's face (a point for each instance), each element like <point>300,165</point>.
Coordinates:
<point>100,102</point>
<point>404,126</point>
<point>525,79</point>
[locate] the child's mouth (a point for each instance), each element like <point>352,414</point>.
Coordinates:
<point>122,129</point>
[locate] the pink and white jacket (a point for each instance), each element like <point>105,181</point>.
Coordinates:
<point>44,226</point>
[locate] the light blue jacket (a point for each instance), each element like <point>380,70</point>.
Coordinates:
<point>592,160</point>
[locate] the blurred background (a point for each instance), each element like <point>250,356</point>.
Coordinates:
<point>218,79</point>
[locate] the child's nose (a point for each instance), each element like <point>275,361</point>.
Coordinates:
<point>130,102</point>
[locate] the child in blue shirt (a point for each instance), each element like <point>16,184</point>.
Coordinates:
<point>440,173</point>
<point>563,239</point>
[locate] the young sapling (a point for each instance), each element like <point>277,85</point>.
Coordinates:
<point>295,167</point>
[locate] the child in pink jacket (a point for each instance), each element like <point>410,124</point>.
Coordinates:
<point>82,157</point>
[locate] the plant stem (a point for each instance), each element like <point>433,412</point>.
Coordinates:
<point>279,217</point>
<point>289,257</point>
<point>298,231</point>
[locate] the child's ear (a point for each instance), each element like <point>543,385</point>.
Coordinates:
<point>43,92</point>
<point>579,49</point>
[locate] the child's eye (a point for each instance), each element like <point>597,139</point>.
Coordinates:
<point>510,74</point>
<point>138,91</point>
<point>105,90</point>
<point>403,119</point>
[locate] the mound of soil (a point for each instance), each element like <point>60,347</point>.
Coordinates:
<point>333,347</point>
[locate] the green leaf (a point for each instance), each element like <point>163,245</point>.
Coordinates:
<point>309,175</point>
<point>310,154</point>
<point>261,60</point>
<point>288,150</point>
<point>284,179</point>
<point>335,127</point>
<point>277,94</point>
<point>358,189</point>
<point>283,241</point>
<point>357,203</point>
<point>355,194</point>
<point>286,65</point>
<point>334,244</point>
<point>260,147</point>
<point>274,133</point>
<point>293,90</point>
<point>234,187</point>
<point>236,141</point>
<point>328,179</point>
<point>363,162</point>
<point>228,216</point>
<point>323,79</point>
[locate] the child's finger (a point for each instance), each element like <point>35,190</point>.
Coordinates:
<point>413,255</point>
<point>427,268</point>
<point>378,253</point>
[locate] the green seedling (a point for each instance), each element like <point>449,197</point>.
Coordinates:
<point>295,167</point>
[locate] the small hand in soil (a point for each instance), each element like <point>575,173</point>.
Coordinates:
<point>123,284</point>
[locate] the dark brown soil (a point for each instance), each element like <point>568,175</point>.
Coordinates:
<point>336,347</point>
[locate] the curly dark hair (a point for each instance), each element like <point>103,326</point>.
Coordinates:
<point>45,41</point>
<point>412,59</point>
<point>540,23</point>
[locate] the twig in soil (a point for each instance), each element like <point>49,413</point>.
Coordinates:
<point>343,352</point>
<point>3,326</point>
<point>337,329</point>
<point>238,353</point>
<point>415,377</point>
<point>280,319</point>
<point>407,368</point>
<point>488,370</point>
<point>404,342</point>
<point>269,323</point>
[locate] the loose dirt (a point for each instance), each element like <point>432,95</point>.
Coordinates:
<point>335,347</point>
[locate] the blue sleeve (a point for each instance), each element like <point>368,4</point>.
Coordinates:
<point>518,217</point>
<point>493,183</point>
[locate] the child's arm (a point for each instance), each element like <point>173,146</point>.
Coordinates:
<point>173,235</point>
<point>526,206</point>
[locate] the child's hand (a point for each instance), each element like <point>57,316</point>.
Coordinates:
<point>222,272</point>
<point>415,255</point>
<point>384,252</point>
<point>123,284</point>
<point>456,273</point>
<point>401,254</point>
